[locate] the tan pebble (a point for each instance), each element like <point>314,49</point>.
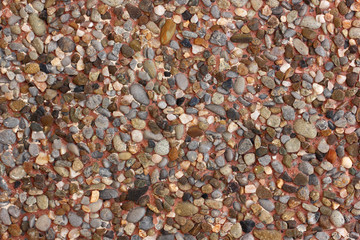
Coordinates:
<point>167,31</point>
<point>42,158</point>
<point>94,196</point>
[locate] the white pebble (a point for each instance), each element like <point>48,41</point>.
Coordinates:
<point>346,162</point>
<point>136,135</point>
<point>159,10</point>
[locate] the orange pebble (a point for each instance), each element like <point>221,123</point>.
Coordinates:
<point>331,156</point>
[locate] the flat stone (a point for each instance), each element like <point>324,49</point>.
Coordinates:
<point>43,223</point>
<point>236,230</point>
<point>162,147</point>
<point>217,109</point>
<point>337,218</point>
<point>244,146</point>
<point>310,22</point>
<point>113,3</point>
<point>7,137</point>
<point>38,25</point>
<point>354,32</point>
<point>293,145</point>
<point>167,31</point>
<point>301,47</point>
<point>74,219</point>
<point>267,234</point>
<point>107,194</point>
<point>139,94</point>
<point>185,209</point>
<point>136,214</point>
<point>304,128</point>
<point>66,44</point>
<point>182,81</point>
<point>263,193</point>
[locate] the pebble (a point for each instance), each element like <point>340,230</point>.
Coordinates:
<point>136,214</point>
<point>38,25</point>
<point>305,129</point>
<point>167,31</point>
<point>337,218</point>
<point>43,223</point>
<point>162,147</point>
<point>139,94</point>
<point>181,81</point>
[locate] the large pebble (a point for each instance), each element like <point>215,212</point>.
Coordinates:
<point>43,223</point>
<point>304,128</point>
<point>136,214</point>
<point>139,94</point>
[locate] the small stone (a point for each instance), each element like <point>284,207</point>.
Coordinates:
<point>293,145</point>
<point>337,218</point>
<point>136,214</point>
<point>113,3</point>
<point>263,193</point>
<point>134,11</point>
<point>15,230</point>
<point>167,31</point>
<point>146,223</point>
<point>17,173</point>
<point>150,68</point>
<point>274,121</point>
<point>7,137</point>
<point>240,38</point>
<point>236,230</point>
<point>268,82</point>
<point>354,32</point>
<point>66,44</point>
<point>139,94</point>
<point>288,113</point>
<point>43,223</point>
<point>310,22</point>
<point>267,234</point>
<point>256,4</point>
<point>107,194</point>
<point>218,38</point>
<point>162,147</point>
<point>247,225</point>
<point>181,81</point>
<point>217,109</point>
<point>244,146</point>
<point>32,68</point>
<point>346,162</point>
<point>342,181</point>
<point>301,47</point>
<point>185,209</point>
<point>74,219</point>
<point>38,25</point>
<point>304,128</point>
<point>301,179</point>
